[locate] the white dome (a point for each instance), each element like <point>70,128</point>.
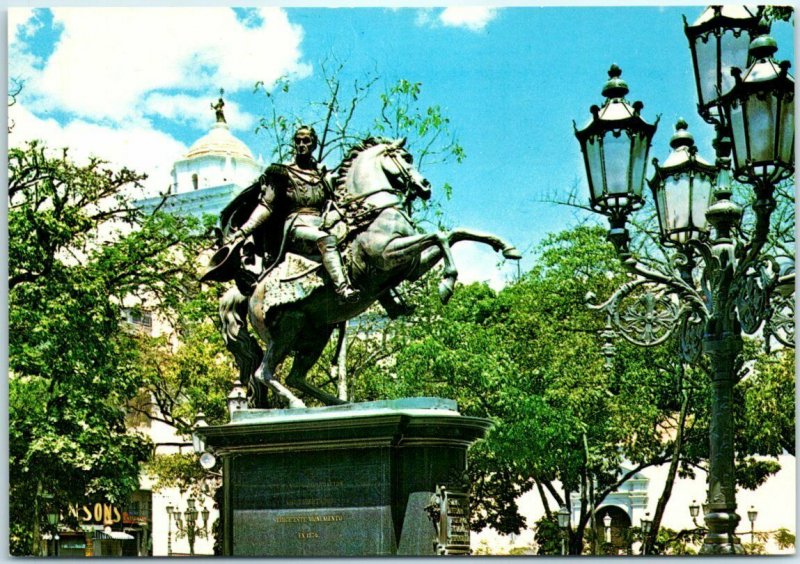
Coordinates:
<point>220,142</point>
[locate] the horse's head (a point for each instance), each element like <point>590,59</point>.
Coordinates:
<point>398,165</point>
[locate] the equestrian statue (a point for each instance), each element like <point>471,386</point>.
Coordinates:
<point>309,249</point>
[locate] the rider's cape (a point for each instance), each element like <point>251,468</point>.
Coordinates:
<point>266,238</point>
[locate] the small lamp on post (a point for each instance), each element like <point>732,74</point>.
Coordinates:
<point>52,518</point>
<point>563,523</point>
<point>751,515</point>
<point>647,525</point>
<point>694,511</point>
<point>607,525</point>
<point>205,513</point>
<point>170,511</point>
<point>237,399</point>
<point>191,523</point>
<point>615,144</point>
<point>198,443</point>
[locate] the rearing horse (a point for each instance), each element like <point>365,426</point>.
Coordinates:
<point>375,184</point>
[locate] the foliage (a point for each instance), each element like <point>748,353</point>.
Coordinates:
<point>784,539</point>
<point>343,115</point>
<point>684,542</point>
<point>78,251</point>
<point>548,535</point>
<point>769,389</point>
<point>182,471</point>
<point>187,369</point>
<point>530,358</point>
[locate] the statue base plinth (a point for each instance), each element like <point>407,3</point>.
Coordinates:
<point>350,480</point>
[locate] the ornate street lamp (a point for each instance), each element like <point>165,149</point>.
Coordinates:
<point>682,190</point>
<point>198,444</point>
<point>751,515</point>
<point>647,525</point>
<point>187,524</point>
<point>760,111</point>
<point>718,284</point>
<point>719,41</point>
<point>607,526</point>
<point>170,510</point>
<point>694,511</point>
<point>53,518</point>
<point>615,144</point>
<point>237,399</point>
<point>563,523</point>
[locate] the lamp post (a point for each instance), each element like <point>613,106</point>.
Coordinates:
<point>647,525</point>
<point>170,510</point>
<point>751,515</point>
<point>694,511</point>
<point>719,283</point>
<point>607,525</point>
<point>52,518</point>
<point>186,523</point>
<point>563,523</point>
<point>237,398</point>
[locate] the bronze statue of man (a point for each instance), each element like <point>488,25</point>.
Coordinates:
<point>300,191</point>
<point>218,110</point>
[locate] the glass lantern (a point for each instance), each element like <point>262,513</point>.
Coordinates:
<point>719,40</point>
<point>615,144</point>
<point>682,188</point>
<point>760,111</point>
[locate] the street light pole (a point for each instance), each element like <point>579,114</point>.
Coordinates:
<point>751,515</point>
<point>170,509</point>
<point>716,287</point>
<point>563,523</point>
<point>646,524</point>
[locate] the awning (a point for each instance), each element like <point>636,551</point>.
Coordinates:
<point>113,535</point>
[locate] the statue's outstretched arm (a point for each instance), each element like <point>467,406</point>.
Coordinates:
<point>261,213</point>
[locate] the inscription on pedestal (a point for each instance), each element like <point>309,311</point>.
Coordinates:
<point>313,504</point>
<point>311,532</point>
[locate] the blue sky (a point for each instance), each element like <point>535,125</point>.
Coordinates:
<point>510,79</point>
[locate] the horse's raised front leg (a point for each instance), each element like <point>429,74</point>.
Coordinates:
<point>431,256</point>
<point>498,244</point>
<point>403,249</point>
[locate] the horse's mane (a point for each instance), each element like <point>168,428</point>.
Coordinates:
<point>347,163</point>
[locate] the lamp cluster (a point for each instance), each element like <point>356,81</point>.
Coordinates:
<point>753,110</point>
<point>720,283</point>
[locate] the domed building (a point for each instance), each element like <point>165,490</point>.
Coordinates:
<point>215,168</point>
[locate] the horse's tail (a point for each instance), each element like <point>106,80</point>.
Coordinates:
<point>245,348</point>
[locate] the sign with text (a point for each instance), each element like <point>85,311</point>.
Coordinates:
<point>97,514</point>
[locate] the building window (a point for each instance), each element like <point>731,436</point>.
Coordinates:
<point>138,319</point>
<point>194,181</point>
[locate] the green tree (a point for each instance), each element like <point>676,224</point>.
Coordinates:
<point>78,251</point>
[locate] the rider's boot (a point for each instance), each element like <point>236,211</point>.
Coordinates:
<point>332,261</point>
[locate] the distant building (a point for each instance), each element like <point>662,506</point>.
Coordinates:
<point>215,168</point>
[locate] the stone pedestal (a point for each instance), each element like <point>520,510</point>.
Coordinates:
<point>348,480</point>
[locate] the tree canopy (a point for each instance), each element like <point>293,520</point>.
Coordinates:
<point>79,252</point>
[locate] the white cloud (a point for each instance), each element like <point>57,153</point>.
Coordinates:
<point>473,18</point>
<point>194,111</point>
<point>135,146</point>
<point>108,60</point>
<point>478,263</point>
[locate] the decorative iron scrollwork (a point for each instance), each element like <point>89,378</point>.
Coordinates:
<point>646,318</point>
<point>692,329</point>
<point>781,323</point>
<point>751,295</point>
